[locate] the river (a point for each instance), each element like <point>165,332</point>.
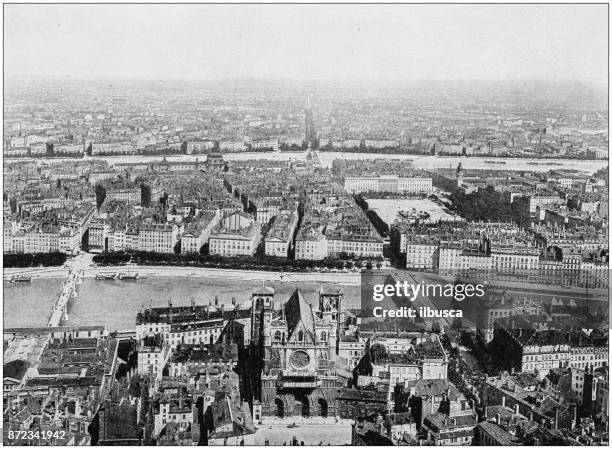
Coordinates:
<point>116,303</point>
<point>420,161</point>
<point>29,304</point>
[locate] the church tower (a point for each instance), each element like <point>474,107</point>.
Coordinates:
<point>459,175</point>
<point>331,310</point>
<point>262,299</point>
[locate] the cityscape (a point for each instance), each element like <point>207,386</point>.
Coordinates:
<point>257,259</point>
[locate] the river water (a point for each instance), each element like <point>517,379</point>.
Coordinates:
<point>420,161</point>
<point>29,304</point>
<point>116,303</point>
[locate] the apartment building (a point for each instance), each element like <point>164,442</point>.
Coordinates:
<point>421,255</point>
<point>531,350</point>
<point>201,358</point>
<point>279,240</point>
<point>587,356</point>
<point>199,147</point>
<point>265,144</point>
<point>130,195</point>
<point>173,409</point>
<point>458,257</point>
<point>544,200</point>
<point>198,231</point>
<point>112,149</point>
<point>125,238</point>
<point>232,146</point>
<point>152,353</point>
<point>354,244</point>
<point>158,238</point>
<point>238,234</point>
<point>388,183</point>
<point>98,235</point>
<point>351,349</point>
<point>311,244</point>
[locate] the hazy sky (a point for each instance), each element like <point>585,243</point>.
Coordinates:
<point>310,42</point>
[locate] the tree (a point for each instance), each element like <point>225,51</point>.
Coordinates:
<point>204,249</point>
<point>34,260</point>
<point>487,204</point>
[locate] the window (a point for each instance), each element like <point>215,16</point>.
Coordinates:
<point>300,336</point>
<point>323,336</point>
<point>277,335</point>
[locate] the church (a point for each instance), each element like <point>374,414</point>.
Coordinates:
<point>300,346</point>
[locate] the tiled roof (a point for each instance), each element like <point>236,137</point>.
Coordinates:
<point>501,436</point>
<point>296,310</point>
<point>443,421</point>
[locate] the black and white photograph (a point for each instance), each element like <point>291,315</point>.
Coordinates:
<point>289,224</point>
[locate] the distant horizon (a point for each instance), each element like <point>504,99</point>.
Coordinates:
<point>492,43</point>
<point>40,79</point>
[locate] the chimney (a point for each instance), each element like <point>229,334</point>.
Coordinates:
<point>503,401</point>
<point>498,419</point>
<point>557,418</point>
<point>516,409</point>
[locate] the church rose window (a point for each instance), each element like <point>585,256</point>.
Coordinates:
<point>299,359</point>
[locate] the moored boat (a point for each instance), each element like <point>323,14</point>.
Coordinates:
<point>128,276</point>
<point>21,278</point>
